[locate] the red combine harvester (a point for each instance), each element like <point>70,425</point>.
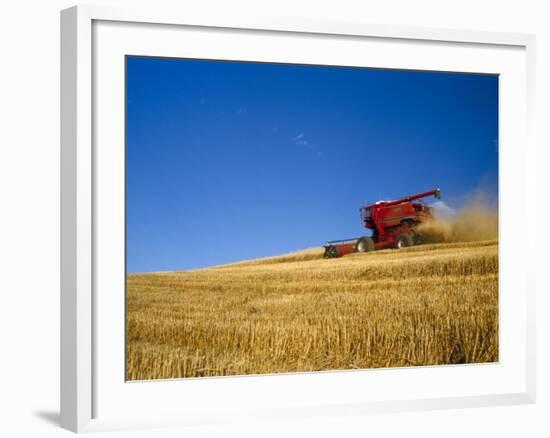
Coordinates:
<point>392,224</point>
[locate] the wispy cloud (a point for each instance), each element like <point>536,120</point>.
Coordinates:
<point>300,139</point>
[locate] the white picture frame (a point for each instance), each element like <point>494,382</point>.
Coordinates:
<point>83,370</point>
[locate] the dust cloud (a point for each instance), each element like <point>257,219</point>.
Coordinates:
<point>477,221</point>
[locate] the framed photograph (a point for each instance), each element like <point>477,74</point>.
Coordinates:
<point>277,219</point>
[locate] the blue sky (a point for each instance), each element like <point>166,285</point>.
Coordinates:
<point>232,160</point>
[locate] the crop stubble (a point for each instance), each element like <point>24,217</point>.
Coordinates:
<point>425,305</point>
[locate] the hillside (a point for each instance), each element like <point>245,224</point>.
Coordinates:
<point>424,305</point>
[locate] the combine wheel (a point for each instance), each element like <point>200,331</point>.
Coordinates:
<point>330,252</point>
<point>404,240</point>
<point>364,244</point>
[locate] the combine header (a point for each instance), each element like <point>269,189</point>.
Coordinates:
<point>392,224</point>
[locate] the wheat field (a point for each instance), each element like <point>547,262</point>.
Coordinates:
<point>425,305</point>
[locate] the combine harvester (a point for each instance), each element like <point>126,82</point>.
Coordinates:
<point>392,223</point>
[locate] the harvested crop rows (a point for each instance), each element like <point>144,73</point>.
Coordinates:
<point>424,305</point>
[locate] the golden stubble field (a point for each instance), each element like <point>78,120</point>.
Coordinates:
<point>424,305</point>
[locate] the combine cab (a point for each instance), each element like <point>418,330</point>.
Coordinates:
<point>392,224</point>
